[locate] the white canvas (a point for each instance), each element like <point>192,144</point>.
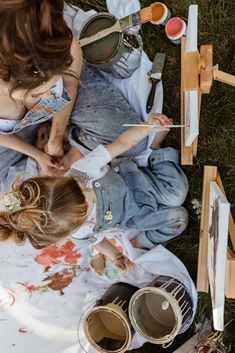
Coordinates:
<point>191,113</point>
<point>219,209</point>
<point>191,118</point>
<point>191,37</point>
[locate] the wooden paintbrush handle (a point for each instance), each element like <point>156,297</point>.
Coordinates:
<point>101,34</point>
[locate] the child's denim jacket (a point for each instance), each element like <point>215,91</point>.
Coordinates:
<point>128,195</point>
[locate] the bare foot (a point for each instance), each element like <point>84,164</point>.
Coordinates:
<point>136,244</point>
<point>72,156</point>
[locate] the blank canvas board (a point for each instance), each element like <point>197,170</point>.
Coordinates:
<point>219,209</point>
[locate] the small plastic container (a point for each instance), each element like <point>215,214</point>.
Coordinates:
<point>160,13</point>
<point>175,29</point>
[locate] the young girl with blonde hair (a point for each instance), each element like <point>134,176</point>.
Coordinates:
<point>47,209</point>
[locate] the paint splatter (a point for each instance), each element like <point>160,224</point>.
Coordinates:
<point>56,254</point>
<point>59,281</point>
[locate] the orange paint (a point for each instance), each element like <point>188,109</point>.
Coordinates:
<point>154,12</point>
<point>157,11</point>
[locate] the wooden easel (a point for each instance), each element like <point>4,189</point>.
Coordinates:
<point>197,73</point>
<point>211,174</point>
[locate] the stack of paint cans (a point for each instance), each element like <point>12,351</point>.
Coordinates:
<point>157,312</point>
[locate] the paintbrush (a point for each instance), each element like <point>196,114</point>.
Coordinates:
<point>134,19</point>
<point>154,126</point>
<point>155,76</point>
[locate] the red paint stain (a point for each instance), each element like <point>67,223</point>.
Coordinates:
<point>22,330</point>
<point>55,254</point>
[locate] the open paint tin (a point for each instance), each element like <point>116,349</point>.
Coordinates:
<point>106,325</point>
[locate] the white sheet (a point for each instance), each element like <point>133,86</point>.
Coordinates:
<point>41,315</point>
<point>34,315</point>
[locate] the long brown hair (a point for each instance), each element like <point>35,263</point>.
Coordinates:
<point>51,209</point>
<point>34,42</point>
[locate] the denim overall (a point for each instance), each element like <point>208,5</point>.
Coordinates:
<point>26,128</point>
<point>148,199</point>
<point>97,118</point>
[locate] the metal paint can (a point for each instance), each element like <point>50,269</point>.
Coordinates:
<point>106,325</point>
<point>161,14</point>
<point>175,29</point>
<point>112,53</point>
<point>159,312</point>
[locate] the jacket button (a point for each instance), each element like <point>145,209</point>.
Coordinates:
<point>116,169</point>
<point>97,184</point>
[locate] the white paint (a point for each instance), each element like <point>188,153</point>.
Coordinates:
<point>191,113</point>
<point>191,39</point>
<point>217,253</point>
<point>191,116</point>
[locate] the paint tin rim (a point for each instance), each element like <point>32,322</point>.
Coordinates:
<point>111,308</point>
<point>174,305</point>
<point>180,34</point>
<point>165,15</point>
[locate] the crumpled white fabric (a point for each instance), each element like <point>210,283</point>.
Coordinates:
<point>40,319</point>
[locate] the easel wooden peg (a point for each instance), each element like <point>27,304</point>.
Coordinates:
<point>223,76</point>
<point>208,72</point>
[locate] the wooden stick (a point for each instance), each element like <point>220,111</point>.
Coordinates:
<point>153,125</point>
<point>101,34</point>
<point>223,76</point>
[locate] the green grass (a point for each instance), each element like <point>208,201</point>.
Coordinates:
<point>217,125</point>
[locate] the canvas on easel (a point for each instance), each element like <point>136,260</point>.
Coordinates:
<point>219,209</point>
<point>197,75</point>
<point>226,263</point>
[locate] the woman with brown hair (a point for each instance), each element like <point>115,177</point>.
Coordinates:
<point>40,66</point>
<point>37,51</point>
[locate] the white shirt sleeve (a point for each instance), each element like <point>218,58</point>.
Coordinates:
<point>94,163</point>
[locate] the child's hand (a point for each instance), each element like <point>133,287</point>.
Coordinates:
<point>122,264</point>
<point>160,120</point>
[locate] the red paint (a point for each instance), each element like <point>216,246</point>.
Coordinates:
<point>174,26</point>
<point>53,254</point>
<point>29,288</point>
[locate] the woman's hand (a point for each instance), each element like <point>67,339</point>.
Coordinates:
<point>48,165</point>
<point>122,264</point>
<point>160,120</point>
<point>54,148</point>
